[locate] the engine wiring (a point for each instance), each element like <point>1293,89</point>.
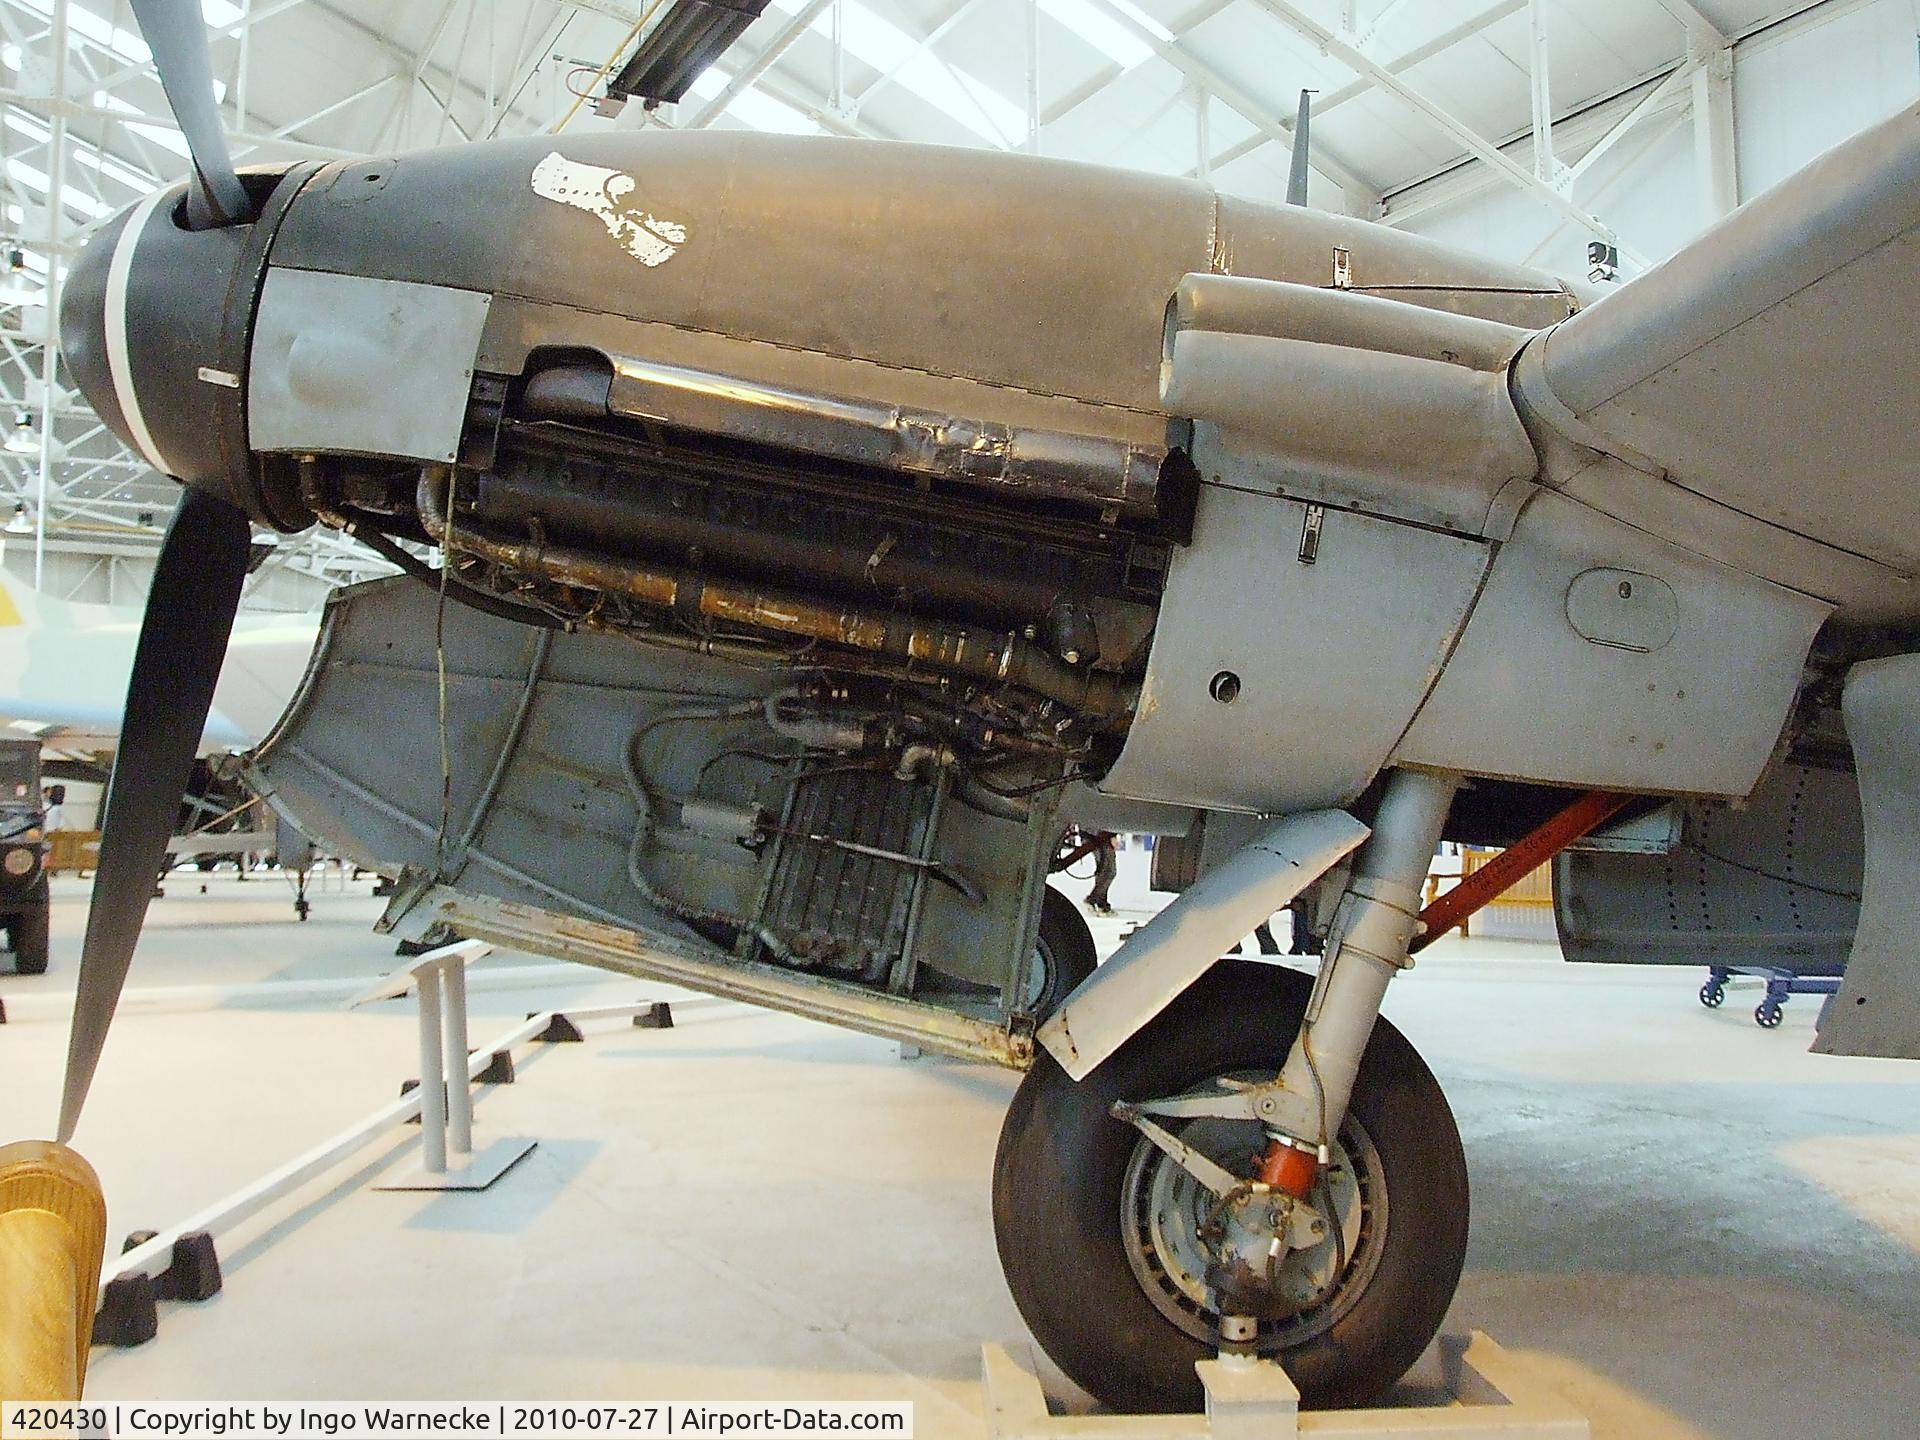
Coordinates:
<point>446,747</point>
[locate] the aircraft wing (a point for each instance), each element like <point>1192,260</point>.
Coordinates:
<point>1769,366</point>
<point>1766,373</point>
<point>64,669</point>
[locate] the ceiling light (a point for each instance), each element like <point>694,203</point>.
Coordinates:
<point>18,287</point>
<point>19,524</point>
<point>689,37</point>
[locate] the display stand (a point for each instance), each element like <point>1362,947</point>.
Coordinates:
<point>182,1263</point>
<point>448,1160</point>
<point>1495,1396</point>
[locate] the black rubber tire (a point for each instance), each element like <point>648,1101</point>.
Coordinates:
<point>1060,1168</point>
<point>1065,947</point>
<point>28,932</point>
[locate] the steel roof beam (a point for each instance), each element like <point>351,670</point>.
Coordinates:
<point>933,37</point>
<point>1251,108</point>
<point>1476,144</point>
<point>1657,134</point>
<point>1662,95</point>
<point>73,110</point>
<point>1466,178</point>
<point>1105,77</point>
<point>1695,19</point>
<point>1419,55</point>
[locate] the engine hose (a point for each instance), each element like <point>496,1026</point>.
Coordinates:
<point>955,649</point>
<point>975,796</point>
<point>644,808</point>
<point>457,590</point>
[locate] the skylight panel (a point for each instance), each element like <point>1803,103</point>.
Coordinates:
<point>883,46</point>
<point>760,110</point>
<point>160,135</point>
<point>1095,24</point>
<point>126,45</point>
<point>123,44</point>
<point>37,180</point>
<point>83,153</point>
<point>754,107</point>
<point>113,169</point>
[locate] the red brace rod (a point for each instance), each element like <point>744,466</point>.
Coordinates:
<point>1498,875</point>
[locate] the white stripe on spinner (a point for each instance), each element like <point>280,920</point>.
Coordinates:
<point>118,364</point>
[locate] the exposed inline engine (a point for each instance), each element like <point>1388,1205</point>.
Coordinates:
<point>957,554</point>
<point>868,660</point>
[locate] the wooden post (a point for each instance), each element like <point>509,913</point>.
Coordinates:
<point>53,1234</point>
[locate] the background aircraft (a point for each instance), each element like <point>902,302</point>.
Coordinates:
<point>64,667</point>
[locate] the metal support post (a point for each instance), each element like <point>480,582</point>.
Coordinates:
<point>459,1097</point>
<point>1203,132</point>
<point>49,343</point>
<point>433,1077</point>
<point>1545,166</point>
<point>1033,77</point>
<point>837,94</point>
<point>1715,162</point>
<point>154,1257</point>
<point>448,1160</point>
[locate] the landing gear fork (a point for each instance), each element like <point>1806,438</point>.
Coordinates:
<point>1367,945</point>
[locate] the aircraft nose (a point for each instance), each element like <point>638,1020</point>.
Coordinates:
<point>83,325</point>
<point>155,323</point>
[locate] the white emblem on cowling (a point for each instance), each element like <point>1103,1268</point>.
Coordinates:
<point>608,194</point>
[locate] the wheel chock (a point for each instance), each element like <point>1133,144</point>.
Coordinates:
<point>407,1087</point>
<point>194,1274</point>
<point>560,1030</point>
<point>129,1312</point>
<point>657,1016</point>
<point>499,1069</point>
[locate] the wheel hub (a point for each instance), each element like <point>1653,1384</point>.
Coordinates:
<point>1200,1257</point>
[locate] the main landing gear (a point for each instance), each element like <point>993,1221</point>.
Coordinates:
<point>1183,1196</point>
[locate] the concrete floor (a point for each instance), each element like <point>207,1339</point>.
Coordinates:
<point>1696,1227</point>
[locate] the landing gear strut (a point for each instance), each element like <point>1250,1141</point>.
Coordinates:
<point>1182,1195</point>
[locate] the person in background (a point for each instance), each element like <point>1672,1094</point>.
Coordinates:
<point>1105,867</point>
<point>56,809</point>
<point>1263,932</point>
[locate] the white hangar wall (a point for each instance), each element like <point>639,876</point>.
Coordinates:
<point>1799,87</point>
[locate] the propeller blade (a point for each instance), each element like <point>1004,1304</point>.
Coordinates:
<point>176,32</point>
<point>1297,162</point>
<point>183,640</point>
